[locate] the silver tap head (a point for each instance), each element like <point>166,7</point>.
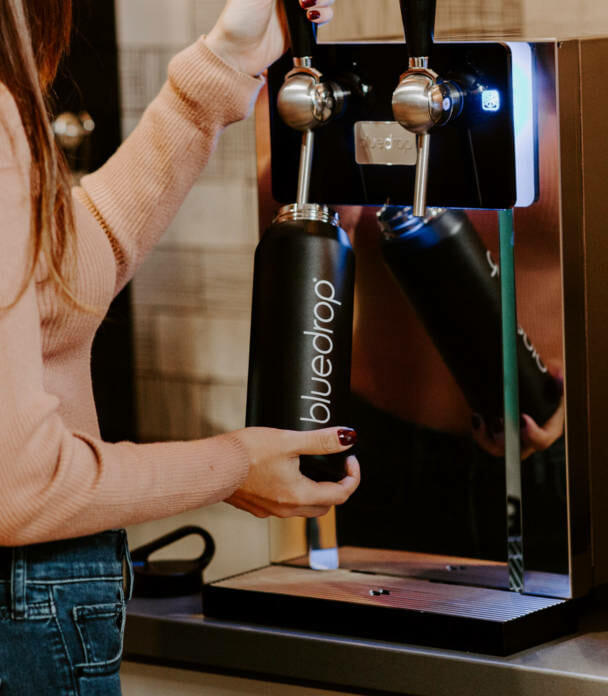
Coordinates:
<point>306,101</point>
<point>418,101</point>
<point>421,101</point>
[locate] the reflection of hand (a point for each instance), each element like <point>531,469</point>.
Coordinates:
<point>534,438</point>
<point>275,485</point>
<point>250,34</point>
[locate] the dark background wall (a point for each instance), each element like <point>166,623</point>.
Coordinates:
<point>88,81</point>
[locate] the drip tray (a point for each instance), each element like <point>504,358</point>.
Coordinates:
<point>453,570</point>
<point>388,607</point>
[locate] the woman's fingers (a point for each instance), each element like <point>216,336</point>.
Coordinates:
<point>324,441</point>
<point>309,494</point>
<point>534,438</point>
<point>275,485</point>
<point>537,437</point>
<point>315,4</point>
<point>488,441</point>
<point>320,16</point>
<point>532,435</point>
<point>318,11</point>
<point>329,494</point>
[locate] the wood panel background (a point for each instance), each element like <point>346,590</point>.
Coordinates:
<point>380,19</point>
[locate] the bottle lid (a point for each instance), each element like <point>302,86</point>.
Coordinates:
<point>310,211</point>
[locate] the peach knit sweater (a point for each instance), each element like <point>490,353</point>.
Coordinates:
<point>57,478</point>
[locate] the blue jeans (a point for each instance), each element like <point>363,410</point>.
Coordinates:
<point>62,616</point>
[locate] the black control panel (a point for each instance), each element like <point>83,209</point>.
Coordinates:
<point>472,161</point>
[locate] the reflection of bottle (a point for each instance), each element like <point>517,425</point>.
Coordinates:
<point>301,329</point>
<point>453,284</point>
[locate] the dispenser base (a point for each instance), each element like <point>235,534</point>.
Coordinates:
<point>387,607</point>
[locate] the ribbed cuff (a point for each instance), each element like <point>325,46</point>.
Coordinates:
<point>204,79</point>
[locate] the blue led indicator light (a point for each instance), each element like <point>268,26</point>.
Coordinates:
<point>490,100</point>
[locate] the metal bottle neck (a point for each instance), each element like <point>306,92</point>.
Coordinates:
<point>309,211</point>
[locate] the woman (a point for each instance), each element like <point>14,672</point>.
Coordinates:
<point>63,257</point>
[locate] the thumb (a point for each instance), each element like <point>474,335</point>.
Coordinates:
<point>325,441</point>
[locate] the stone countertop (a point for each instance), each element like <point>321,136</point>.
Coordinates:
<point>173,632</point>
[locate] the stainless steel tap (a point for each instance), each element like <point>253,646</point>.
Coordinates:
<point>422,100</point>
<point>306,100</point>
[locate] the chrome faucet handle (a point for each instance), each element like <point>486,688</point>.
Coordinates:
<point>306,100</point>
<point>420,103</point>
<point>419,26</point>
<point>422,100</point>
<point>302,33</point>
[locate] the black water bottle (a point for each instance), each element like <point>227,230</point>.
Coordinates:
<point>301,329</point>
<point>454,285</point>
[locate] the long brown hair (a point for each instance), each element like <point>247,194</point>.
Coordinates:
<point>34,34</point>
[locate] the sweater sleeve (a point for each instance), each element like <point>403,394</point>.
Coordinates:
<point>137,192</point>
<point>56,483</point>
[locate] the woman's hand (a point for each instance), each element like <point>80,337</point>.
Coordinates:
<point>251,34</point>
<point>533,437</point>
<point>275,485</point>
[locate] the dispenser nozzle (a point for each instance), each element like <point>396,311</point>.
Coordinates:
<point>306,100</point>
<point>304,173</point>
<point>423,146</point>
<point>422,101</point>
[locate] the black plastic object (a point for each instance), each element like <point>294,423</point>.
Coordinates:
<point>302,32</point>
<point>170,578</point>
<point>419,26</point>
<point>301,334</point>
<point>454,285</point>
<point>472,163</point>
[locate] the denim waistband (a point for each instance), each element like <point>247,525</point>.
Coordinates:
<point>98,555</point>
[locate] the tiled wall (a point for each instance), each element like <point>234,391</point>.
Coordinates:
<point>192,296</point>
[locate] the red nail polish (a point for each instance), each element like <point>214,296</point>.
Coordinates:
<point>347,437</point>
<point>313,14</point>
<point>308,3</point>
